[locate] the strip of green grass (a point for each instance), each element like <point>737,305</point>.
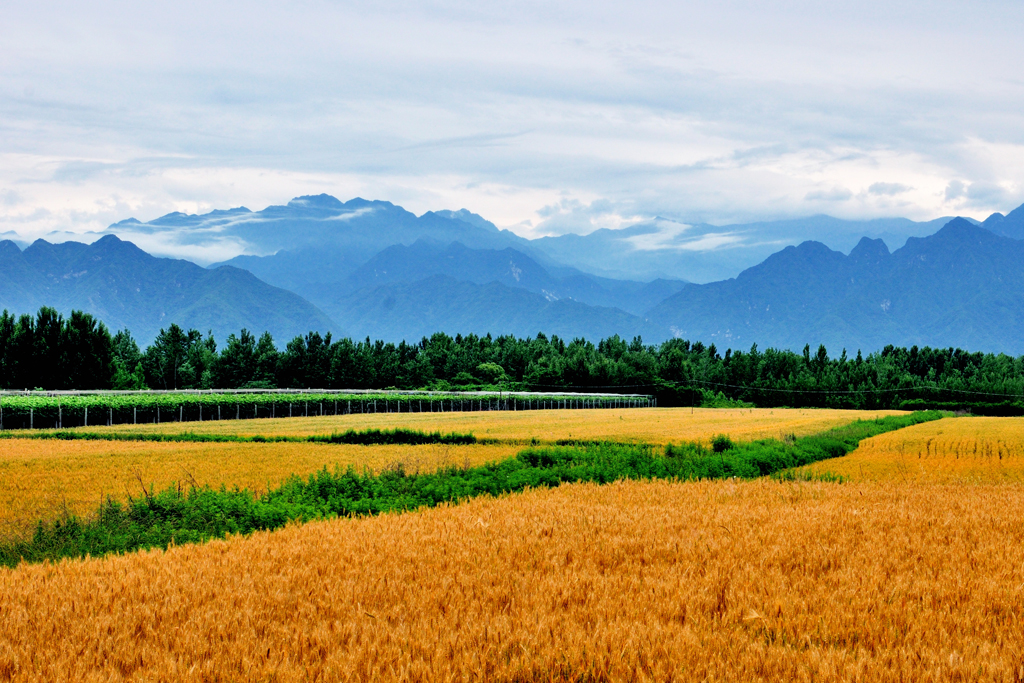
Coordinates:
<point>199,514</point>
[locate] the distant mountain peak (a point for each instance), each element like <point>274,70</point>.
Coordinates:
<point>959,229</point>
<point>9,248</point>
<point>958,223</point>
<point>466,216</point>
<point>809,251</point>
<point>319,201</point>
<point>109,245</point>
<point>869,250</point>
<point>108,240</point>
<point>1011,225</point>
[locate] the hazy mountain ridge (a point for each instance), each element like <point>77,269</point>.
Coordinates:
<point>962,286</point>
<point>125,287</point>
<point>317,240</point>
<point>509,267</point>
<point>411,311</point>
<point>707,253</point>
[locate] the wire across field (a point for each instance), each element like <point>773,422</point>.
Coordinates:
<point>631,581</point>
<point>648,425</point>
<point>975,449</point>
<point>40,480</point>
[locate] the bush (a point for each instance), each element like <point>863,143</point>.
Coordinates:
<point>721,443</point>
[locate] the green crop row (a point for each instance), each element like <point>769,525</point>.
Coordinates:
<point>213,399</point>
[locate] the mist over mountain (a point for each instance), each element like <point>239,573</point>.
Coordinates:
<point>705,253</point>
<point>319,239</point>
<point>125,287</point>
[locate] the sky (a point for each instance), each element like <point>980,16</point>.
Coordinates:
<point>544,117</point>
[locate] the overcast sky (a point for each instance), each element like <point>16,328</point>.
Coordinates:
<point>544,117</point>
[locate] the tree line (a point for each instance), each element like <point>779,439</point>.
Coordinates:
<point>49,351</point>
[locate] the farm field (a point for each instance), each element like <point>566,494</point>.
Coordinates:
<point>725,580</point>
<point>649,425</point>
<point>41,479</point>
<point>969,450</point>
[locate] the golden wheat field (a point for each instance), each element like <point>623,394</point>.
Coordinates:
<point>727,581</point>
<point>650,425</point>
<point>41,479</point>
<point>966,449</point>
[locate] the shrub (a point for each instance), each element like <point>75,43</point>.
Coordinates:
<point>721,443</point>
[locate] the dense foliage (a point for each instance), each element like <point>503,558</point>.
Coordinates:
<point>79,353</point>
<point>159,519</point>
<point>53,352</point>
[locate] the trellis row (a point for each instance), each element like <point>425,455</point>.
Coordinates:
<point>63,416</point>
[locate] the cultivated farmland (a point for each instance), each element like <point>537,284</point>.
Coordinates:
<point>975,449</point>
<point>894,577</point>
<point>629,581</point>
<point>648,425</point>
<point>42,479</point>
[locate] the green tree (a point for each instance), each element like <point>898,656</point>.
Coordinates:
<point>165,360</point>
<point>87,353</point>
